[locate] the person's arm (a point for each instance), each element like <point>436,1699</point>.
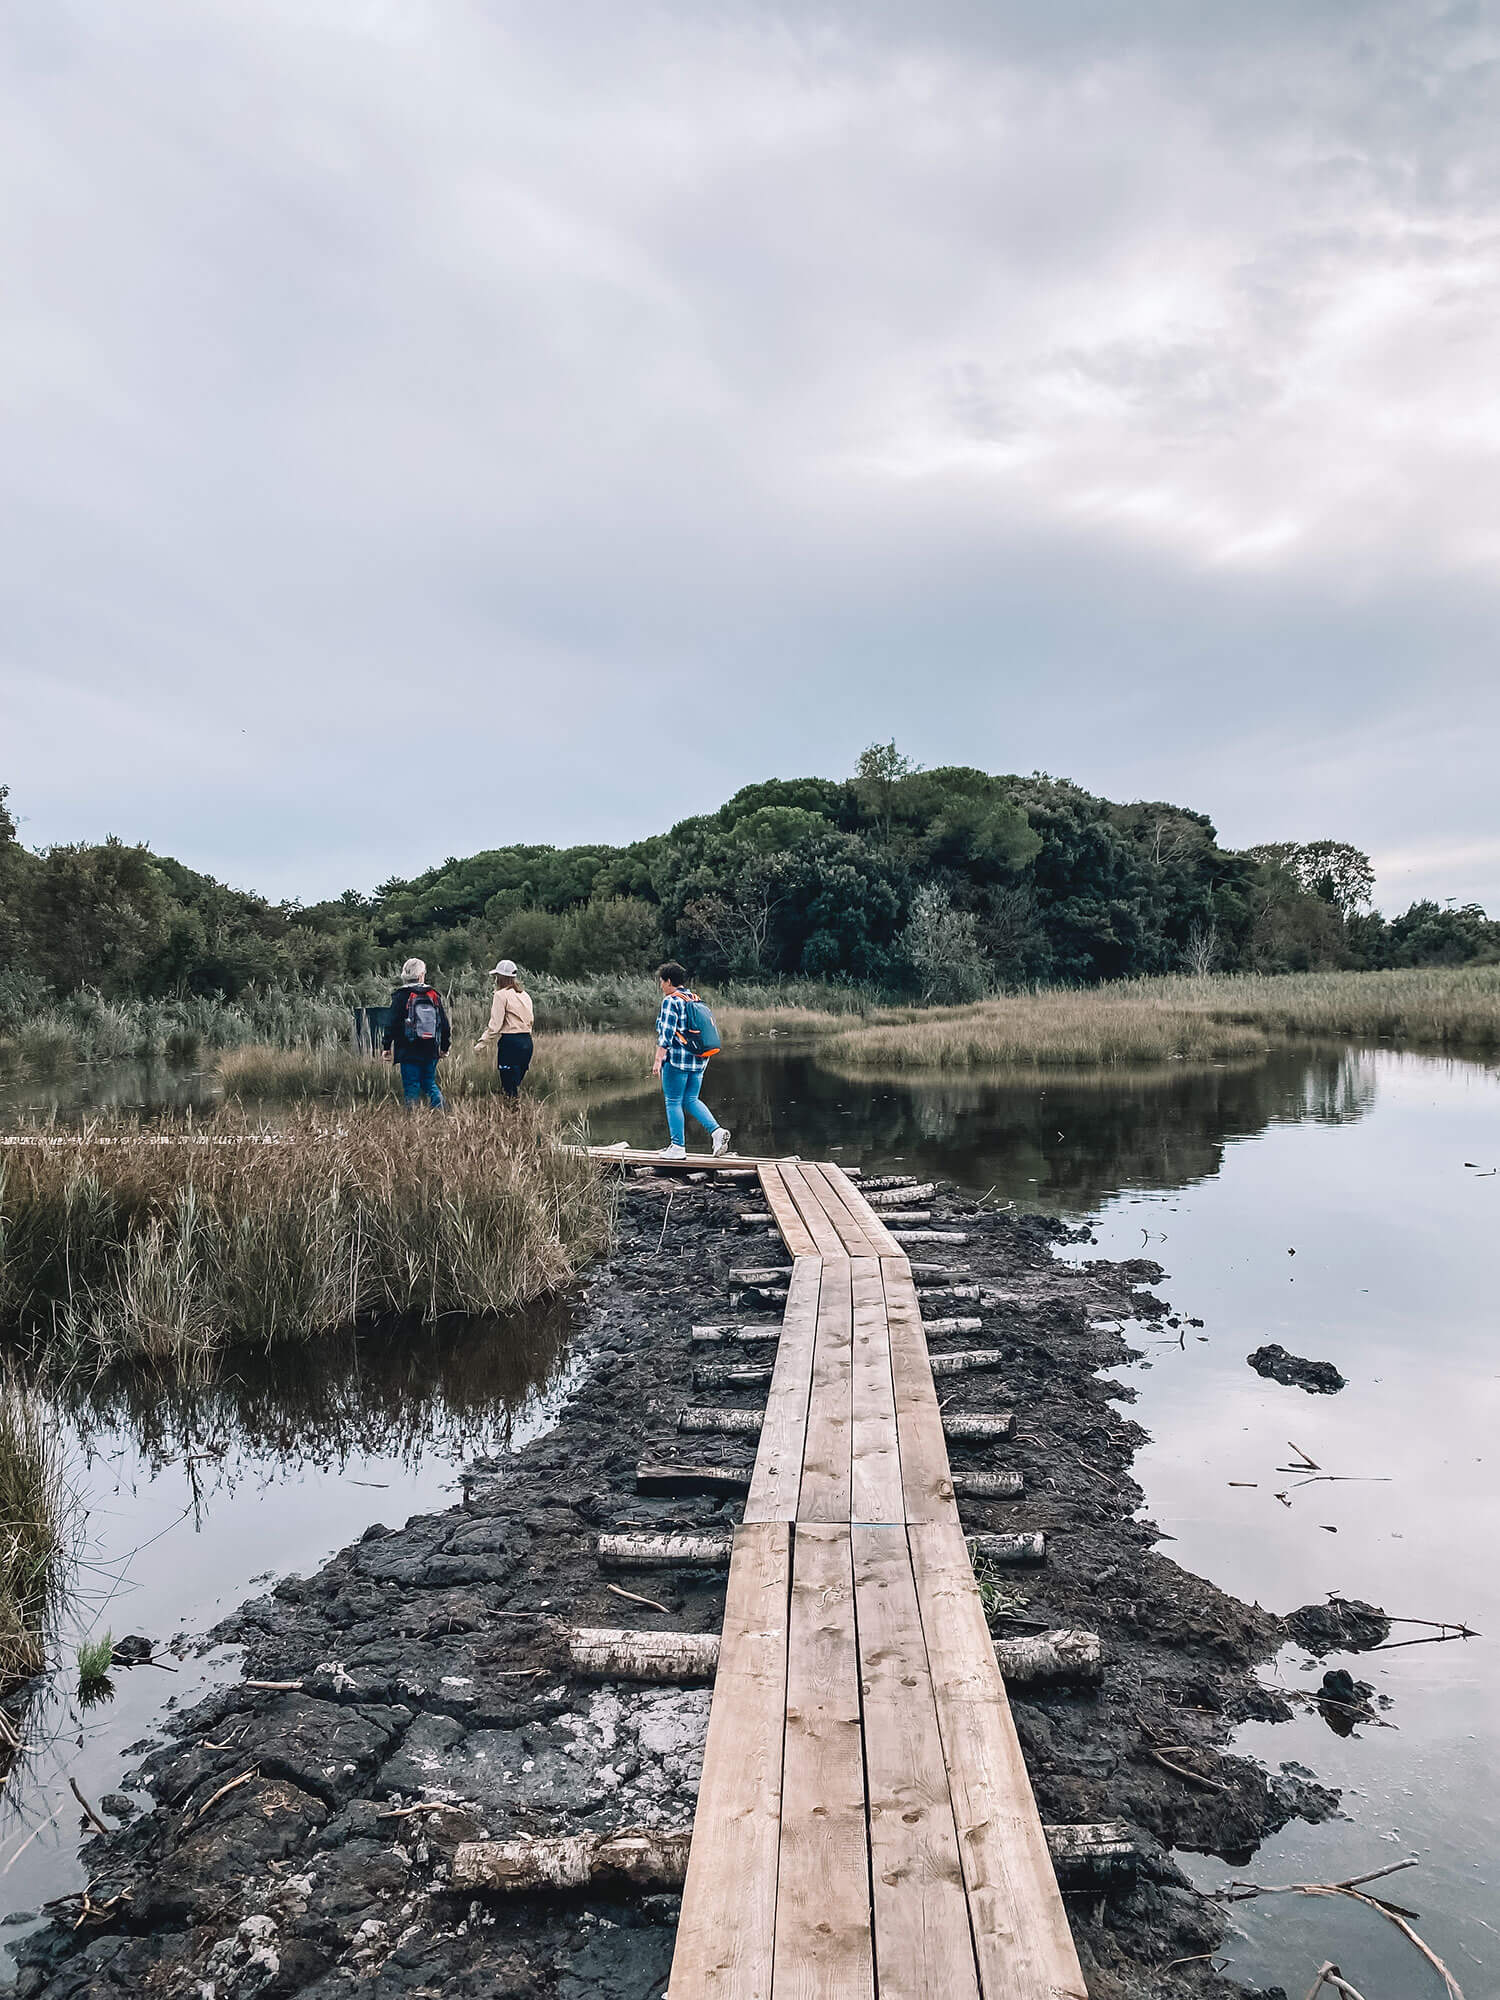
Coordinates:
<point>497,1016</point>
<point>666,1020</point>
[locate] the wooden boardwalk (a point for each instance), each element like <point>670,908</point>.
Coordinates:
<point>865,1823</point>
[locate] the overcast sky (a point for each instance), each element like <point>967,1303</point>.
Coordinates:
<point>428,424</point>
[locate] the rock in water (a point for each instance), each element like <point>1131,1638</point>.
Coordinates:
<point>1319,1378</point>
<point>1342,1625</point>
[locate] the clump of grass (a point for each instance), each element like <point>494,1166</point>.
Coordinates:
<point>1192,1019</point>
<point>34,1510</point>
<point>95,1658</point>
<point>172,1244</point>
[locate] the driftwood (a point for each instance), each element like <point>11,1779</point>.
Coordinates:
<point>604,1653</point>
<point>1097,1857</point>
<point>930,1326</point>
<point>1353,1887</point>
<point>1049,1659</point>
<point>656,1476</point>
<point>730,1375</point>
<point>966,1361</point>
<point>720,1423</point>
<point>647,1551</point>
<point>988,1485</point>
<point>1010,1550</point>
<point>966,1429</point>
<point>753,1329</point>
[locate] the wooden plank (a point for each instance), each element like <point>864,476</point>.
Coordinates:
<point>1021,1935</point>
<point>926,1481</point>
<point>793,1230</point>
<point>848,1227</point>
<point>875,1469</point>
<point>923,1946</point>
<point>742,1164</point>
<point>875,1230</point>
<point>827,1454</point>
<point>823,1946</point>
<point>825,1237</point>
<point>777,1479</point>
<point>726,1933</point>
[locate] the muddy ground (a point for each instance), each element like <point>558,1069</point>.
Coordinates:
<point>283,1858</point>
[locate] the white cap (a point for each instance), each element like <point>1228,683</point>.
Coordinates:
<point>507,968</point>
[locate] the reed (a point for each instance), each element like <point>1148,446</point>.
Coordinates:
<point>1185,1018</point>
<point>563,1063</point>
<point>172,1244</point>
<point>34,1512</point>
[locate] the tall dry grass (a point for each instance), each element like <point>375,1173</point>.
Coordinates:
<point>563,1063</point>
<point>172,1244</point>
<point>1162,1019</point>
<point>34,1510</point>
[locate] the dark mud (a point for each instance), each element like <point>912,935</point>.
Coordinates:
<point>293,1850</point>
<point>1293,1371</point>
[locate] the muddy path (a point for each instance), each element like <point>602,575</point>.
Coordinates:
<point>294,1848</point>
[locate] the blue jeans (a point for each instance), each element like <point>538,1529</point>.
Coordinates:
<point>419,1080</point>
<point>680,1088</point>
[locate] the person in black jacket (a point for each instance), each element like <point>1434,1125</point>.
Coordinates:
<point>417,1035</point>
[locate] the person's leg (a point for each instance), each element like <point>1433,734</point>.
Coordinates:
<point>672,1082</point>
<point>411,1083</point>
<point>691,1102</point>
<point>513,1055</point>
<point>434,1095</point>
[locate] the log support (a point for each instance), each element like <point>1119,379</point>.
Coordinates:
<point>638,1550</point>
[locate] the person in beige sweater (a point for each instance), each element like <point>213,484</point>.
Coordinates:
<point>511,1017</point>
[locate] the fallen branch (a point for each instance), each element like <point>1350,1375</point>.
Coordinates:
<point>1329,1975</point>
<point>1240,1892</point>
<point>192,1818</point>
<point>73,1788</point>
<point>650,1602</point>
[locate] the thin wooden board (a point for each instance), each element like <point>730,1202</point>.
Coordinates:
<point>704,1163</point>
<point>825,1237</point>
<point>823,1943</point>
<point>1021,1935</point>
<point>777,1479</point>
<point>826,1457</point>
<point>926,1480</point>
<point>726,1933</point>
<point>793,1230</point>
<point>923,1946</point>
<point>875,1471</point>
<point>876,1233</point>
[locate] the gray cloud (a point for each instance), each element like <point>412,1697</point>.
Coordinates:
<point>555,418</point>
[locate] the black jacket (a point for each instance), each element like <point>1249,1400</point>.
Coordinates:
<point>395,1036</point>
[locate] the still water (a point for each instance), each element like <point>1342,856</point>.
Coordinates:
<point>1344,1203</point>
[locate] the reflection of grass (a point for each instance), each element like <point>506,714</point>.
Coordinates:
<point>1141,1021</point>
<point>170,1245</point>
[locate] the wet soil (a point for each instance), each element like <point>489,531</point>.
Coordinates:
<point>294,1848</point>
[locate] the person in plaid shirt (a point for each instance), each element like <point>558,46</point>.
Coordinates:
<point>680,1069</point>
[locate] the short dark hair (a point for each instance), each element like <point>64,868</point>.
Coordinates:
<point>673,973</point>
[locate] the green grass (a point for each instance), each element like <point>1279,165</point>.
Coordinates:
<point>34,1510</point>
<point>171,1244</point>
<point>95,1658</point>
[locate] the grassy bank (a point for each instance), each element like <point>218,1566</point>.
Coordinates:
<point>33,1513</point>
<point>1204,1019</point>
<point>171,1244</point>
<point>563,1063</point>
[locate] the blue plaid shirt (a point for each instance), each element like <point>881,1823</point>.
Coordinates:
<point>670,1023</point>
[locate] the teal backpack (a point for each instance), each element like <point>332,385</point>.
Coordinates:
<point>698,1028</point>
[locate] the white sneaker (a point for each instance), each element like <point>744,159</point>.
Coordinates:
<point>672,1153</point>
<point>721,1141</point>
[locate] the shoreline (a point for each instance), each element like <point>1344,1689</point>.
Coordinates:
<point>295,1849</point>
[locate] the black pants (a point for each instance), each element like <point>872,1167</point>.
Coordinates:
<point>513,1054</point>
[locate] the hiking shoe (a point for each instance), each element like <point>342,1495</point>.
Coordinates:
<point>721,1141</point>
<point>672,1153</point>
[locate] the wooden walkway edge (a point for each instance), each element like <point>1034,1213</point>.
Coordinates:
<point>865,1824</point>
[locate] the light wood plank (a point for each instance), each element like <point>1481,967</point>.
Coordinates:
<point>823,1944</point>
<point>792,1229</point>
<point>926,1480</point>
<point>875,1470</point>
<point>1021,1935</point>
<point>875,1231</point>
<point>803,1190</point>
<point>726,1933</point>
<point>827,1456</point>
<point>777,1479</point>
<point>847,1226</point>
<point>923,1947</point>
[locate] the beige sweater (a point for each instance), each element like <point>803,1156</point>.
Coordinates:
<point>511,1014</point>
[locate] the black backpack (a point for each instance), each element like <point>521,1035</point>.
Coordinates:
<point>424,1015</point>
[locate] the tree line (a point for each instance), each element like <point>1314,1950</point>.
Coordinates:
<point>942,883</point>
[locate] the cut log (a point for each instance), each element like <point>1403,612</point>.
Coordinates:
<point>961,1428</point>
<point>649,1858</point>
<point>604,1653</point>
<point>895,1219</point>
<point>752,1329</point>
<point>749,1218</point>
<point>968,1361</point>
<point>952,1325</point>
<point>730,1375</point>
<point>893,1195</point>
<point>931,1235</point>
<point>949,1295</point>
<point>767,1295</point>
<point>756,1275</point>
<point>883,1183</point>
<point>1010,1551</point>
<point>988,1485</point>
<point>1100,1856</point>
<point>652,1476</point>
<point>638,1550</point>
<point>937,1274</point>
<point>721,1423</point>
<point>1051,1659</point>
